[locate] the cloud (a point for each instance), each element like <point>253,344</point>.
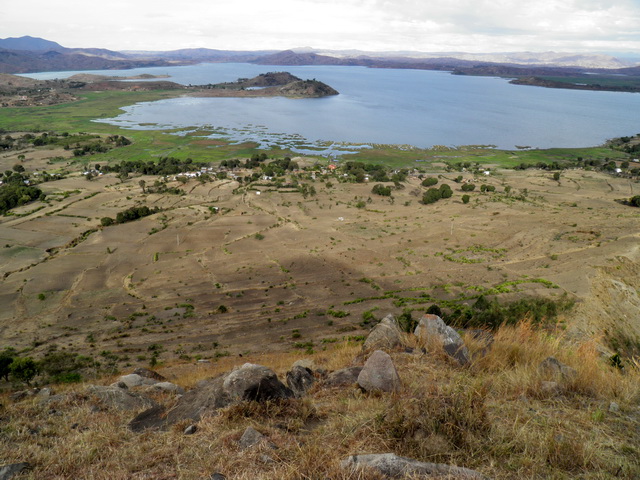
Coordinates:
<point>470,25</point>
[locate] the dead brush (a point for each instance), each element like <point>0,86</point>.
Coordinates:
<point>433,423</point>
<point>295,413</point>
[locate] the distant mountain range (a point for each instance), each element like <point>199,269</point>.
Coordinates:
<point>30,54</point>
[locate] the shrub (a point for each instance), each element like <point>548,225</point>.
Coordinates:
<point>468,187</point>
<point>466,198</point>
<point>380,189</point>
<point>429,182</point>
<point>445,191</point>
<point>24,369</point>
<point>431,196</point>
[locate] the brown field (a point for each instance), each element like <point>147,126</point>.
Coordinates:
<point>161,279</point>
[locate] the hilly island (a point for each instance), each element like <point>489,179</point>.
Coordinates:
<point>181,306</point>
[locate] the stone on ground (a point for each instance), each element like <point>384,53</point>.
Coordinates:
<point>379,374</point>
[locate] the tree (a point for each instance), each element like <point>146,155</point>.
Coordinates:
<point>431,196</point>
<point>24,369</point>
<point>380,189</point>
<point>429,181</point>
<point>468,187</point>
<point>635,201</point>
<point>556,176</point>
<point>445,191</point>
<point>6,359</point>
<point>465,198</point>
<point>142,184</point>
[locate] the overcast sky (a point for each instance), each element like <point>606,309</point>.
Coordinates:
<point>378,25</point>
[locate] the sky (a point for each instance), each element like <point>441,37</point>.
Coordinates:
<point>475,26</point>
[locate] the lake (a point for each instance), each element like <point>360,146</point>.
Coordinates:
<point>385,106</point>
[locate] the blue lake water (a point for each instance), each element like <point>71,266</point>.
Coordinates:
<point>386,106</point>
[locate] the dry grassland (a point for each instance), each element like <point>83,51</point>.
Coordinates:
<point>278,262</point>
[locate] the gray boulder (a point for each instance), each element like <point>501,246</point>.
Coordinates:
<point>9,471</point>
<point>431,328</point>
<point>134,380</point>
<point>386,335</point>
<point>379,374</point>
<point>552,367</point>
<point>344,377</point>
<point>114,397</point>
<point>145,372</point>
<point>250,438</point>
<point>299,380</point>
<point>393,466</point>
<point>247,383</point>
<point>304,362</point>
<point>166,387</point>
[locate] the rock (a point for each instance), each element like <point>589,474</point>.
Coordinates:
<point>386,335</point>
<point>248,383</point>
<point>304,363</point>
<point>393,466</point>
<point>379,374</point>
<point>45,393</point>
<point>614,407</point>
<point>191,429</point>
<point>120,399</point>
<point>167,387</point>
<point>299,380</point>
<point>10,471</point>
<point>432,328</point>
<point>550,388</point>
<point>145,372</point>
<point>552,367</point>
<point>218,476</point>
<point>134,380</point>
<point>340,378</point>
<point>203,360</point>
<point>255,382</point>
<point>250,438</point>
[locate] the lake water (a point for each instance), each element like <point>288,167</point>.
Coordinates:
<point>385,106</point>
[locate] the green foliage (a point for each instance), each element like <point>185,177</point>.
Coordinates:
<point>23,369</point>
<point>134,213</point>
<point>380,189</point>
<point>106,221</point>
<point>64,367</point>
<point>338,313</point>
<point>6,359</point>
<point>429,181</point>
<point>465,198</point>
<point>635,201</point>
<point>406,321</point>
<point>14,194</point>
<point>468,187</point>
<point>492,314</point>
<point>431,196</point>
<point>445,191</point>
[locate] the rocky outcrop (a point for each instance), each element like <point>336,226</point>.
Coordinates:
<point>299,380</point>
<point>343,377</point>
<point>552,367</point>
<point>432,329</point>
<point>393,466</point>
<point>120,399</point>
<point>386,335</point>
<point>247,383</point>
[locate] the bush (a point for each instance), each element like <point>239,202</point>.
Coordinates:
<point>465,198</point>
<point>429,182</point>
<point>24,369</point>
<point>635,201</point>
<point>431,196</point>
<point>380,189</point>
<point>468,187</point>
<point>445,191</point>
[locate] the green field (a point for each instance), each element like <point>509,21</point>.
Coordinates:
<point>79,117</point>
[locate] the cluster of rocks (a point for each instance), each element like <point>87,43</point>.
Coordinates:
<point>257,383</point>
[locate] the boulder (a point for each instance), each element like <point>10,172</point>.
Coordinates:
<point>145,372</point>
<point>166,387</point>
<point>10,471</point>
<point>393,466</point>
<point>250,438</point>
<point>552,367</point>
<point>120,399</point>
<point>386,335</point>
<point>247,383</point>
<point>299,380</point>
<point>344,377</point>
<point>134,380</point>
<point>379,374</point>
<point>431,328</point>
<point>305,363</point>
